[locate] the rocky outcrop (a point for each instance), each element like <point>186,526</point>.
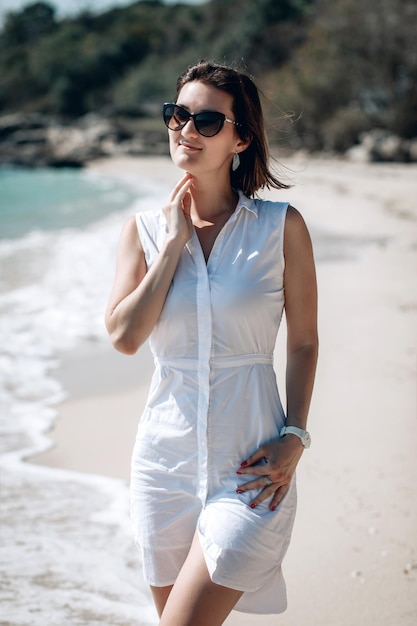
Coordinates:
<point>36,140</point>
<point>380,145</point>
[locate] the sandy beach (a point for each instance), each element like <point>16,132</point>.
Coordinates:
<point>353,556</point>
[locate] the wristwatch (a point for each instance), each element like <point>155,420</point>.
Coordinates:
<point>304,435</point>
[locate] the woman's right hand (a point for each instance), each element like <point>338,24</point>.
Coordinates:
<point>139,293</point>
<point>177,211</point>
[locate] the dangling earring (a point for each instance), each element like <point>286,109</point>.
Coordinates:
<point>236,161</point>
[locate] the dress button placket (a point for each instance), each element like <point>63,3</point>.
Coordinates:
<point>204,327</point>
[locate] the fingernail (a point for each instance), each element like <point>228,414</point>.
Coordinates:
<point>238,472</point>
<point>273,508</point>
<point>239,491</point>
<point>252,505</point>
<point>244,464</point>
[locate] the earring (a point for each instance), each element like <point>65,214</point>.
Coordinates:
<point>236,161</point>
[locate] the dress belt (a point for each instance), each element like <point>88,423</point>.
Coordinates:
<point>189,363</point>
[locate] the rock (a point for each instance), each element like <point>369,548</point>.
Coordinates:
<point>38,136</point>
<point>24,139</point>
<point>27,155</point>
<point>91,137</point>
<point>382,145</point>
<point>35,140</point>
<point>412,150</point>
<point>358,154</point>
<point>70,146</point>
<point>13,122</point>
<point>151,142</point>
<point>392,148</point>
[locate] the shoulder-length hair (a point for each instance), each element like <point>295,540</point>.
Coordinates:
<point>254,171</point>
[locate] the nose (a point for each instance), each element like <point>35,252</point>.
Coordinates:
<point>189,128</point>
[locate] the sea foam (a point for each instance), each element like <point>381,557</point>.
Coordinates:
<point>67,555</point>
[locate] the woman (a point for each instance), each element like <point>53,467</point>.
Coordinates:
<point>213,486</point>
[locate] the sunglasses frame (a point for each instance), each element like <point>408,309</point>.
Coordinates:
<point>194,116</point>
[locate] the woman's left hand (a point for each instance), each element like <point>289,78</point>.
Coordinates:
<point>281,457</point>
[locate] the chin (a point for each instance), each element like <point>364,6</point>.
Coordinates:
<point>177,160</point>
<point>184,164</point>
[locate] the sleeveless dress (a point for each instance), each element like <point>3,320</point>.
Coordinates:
<point>213,401</point>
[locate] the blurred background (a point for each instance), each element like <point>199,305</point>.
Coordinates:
<point>339,76</point>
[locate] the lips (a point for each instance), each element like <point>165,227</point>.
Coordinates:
<point>188,146</point>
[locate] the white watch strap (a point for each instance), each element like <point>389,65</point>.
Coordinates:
<point>299,432</point>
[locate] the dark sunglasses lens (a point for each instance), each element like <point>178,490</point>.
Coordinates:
<point>209,124</point>
<point>175,117</point>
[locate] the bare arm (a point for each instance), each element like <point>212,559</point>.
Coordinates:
<point>301,314</point>
<point>138,295</point>
<point>284,453</point>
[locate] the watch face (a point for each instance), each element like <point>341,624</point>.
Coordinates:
<point>306,440</point>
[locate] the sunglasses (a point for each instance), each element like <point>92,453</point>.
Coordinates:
<point>207,123</point>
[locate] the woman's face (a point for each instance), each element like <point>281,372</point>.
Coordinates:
<point>191,151</point>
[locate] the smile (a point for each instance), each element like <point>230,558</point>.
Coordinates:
<point>188,146</point>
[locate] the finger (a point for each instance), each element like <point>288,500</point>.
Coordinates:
<point>266,493</point>
<point>258,483</point>
<point>279,495</point>
<point>246,467</point>
<point>182,193</point>
<point>180,183</point>
<point>186,204</point>
<point>253,470</point>
<point>179,190</point>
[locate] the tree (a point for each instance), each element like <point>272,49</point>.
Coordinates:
<point>28,25</point>
<point>357,69</point>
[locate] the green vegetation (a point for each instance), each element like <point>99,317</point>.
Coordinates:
<point>341,66</point>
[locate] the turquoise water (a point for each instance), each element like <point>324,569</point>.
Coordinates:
<point>50,199</point>
<point>59,231</point>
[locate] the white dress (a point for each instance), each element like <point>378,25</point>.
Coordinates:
<point>213,400</point>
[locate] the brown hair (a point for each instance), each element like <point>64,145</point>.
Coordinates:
<point>253,172</point>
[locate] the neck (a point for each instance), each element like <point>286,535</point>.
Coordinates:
<point>210,201</point>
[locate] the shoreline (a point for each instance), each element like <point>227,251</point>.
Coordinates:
<point>96,425</point>
<point>353,556</point>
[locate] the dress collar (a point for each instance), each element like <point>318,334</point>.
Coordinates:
<point>246,203</point>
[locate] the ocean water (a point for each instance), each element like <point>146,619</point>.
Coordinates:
<point>67,555</point>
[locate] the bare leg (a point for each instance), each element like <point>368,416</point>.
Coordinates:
<point>160,597</point>
<point>195,599</point>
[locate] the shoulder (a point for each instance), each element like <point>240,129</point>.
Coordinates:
<point>296,236</point>
<point>270,213</point>
<point>269,206</point>
<point>294,220</point>
<point>129,238</point>
<point>150,222</point>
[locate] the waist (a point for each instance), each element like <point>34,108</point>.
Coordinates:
<point>236,360</point>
